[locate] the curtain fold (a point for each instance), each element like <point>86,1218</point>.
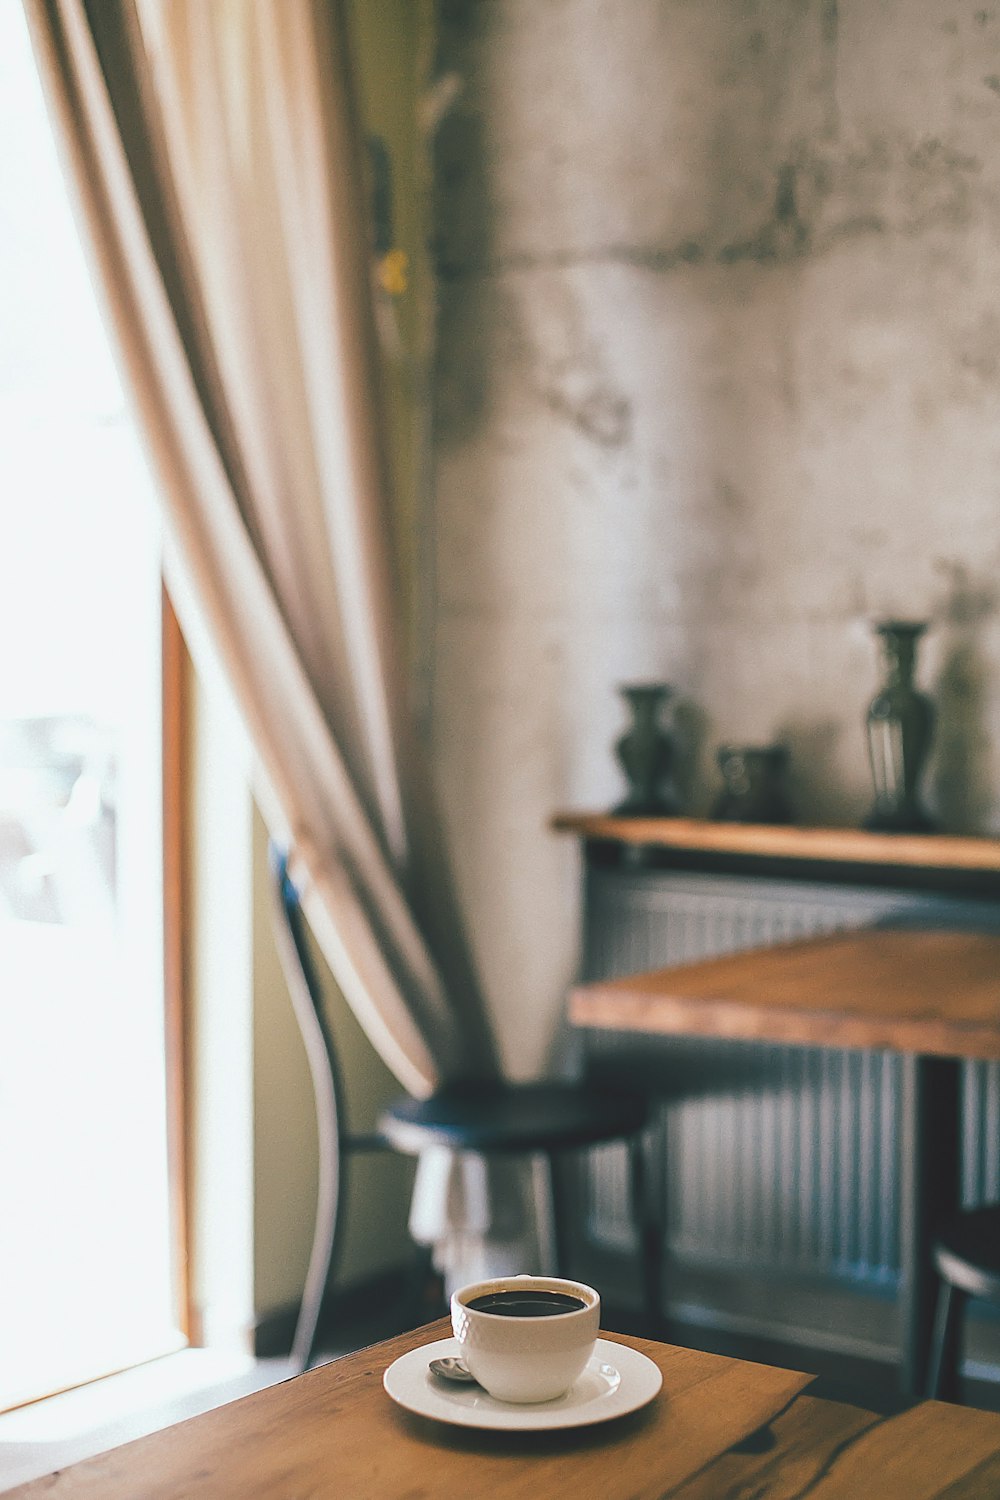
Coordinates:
<point>215,153</point>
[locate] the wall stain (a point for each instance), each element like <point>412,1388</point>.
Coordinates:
<point>566,369</point>
<point>979,353</point>
<point>600,414</point>
<point>932,155</point>
<point>830,23</point>
<point>784,236</point>
<point>820,198</point>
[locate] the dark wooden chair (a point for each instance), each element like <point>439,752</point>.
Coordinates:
<point>967,1261</point>
<point>542,1120</point>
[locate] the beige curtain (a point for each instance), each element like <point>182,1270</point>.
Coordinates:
<point>214,148</point>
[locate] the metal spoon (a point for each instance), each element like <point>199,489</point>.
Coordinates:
<point>450,1368</point>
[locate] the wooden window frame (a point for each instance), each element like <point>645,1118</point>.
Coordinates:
<point>176,887</point>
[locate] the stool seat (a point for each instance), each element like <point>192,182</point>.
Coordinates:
<point>491,1116</point>
<point>967,1252</point>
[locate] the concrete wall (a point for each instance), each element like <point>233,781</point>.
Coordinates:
<point>717,386</point>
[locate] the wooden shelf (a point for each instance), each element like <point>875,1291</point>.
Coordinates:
<point>928,851</point>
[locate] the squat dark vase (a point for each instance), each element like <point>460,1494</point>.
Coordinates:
<point>645,753</point>
<point>753,777</point>
<point>900,727</point>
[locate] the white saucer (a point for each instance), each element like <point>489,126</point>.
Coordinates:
<point>617,1380</point>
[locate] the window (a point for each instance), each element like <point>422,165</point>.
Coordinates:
<point>86,1250</point>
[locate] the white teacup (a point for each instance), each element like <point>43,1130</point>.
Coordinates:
<point>517,1352</point>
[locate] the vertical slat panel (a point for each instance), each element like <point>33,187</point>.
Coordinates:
<point>888,1100</point>
<point>981,1130</point>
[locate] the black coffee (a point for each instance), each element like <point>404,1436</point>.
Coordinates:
<point>526,1304</point>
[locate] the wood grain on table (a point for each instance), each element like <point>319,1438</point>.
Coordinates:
<point>904,989</point>
<point>822,1450</point>
<point>335,1433</point>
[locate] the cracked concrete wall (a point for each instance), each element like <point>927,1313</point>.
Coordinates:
<point>717,386</point>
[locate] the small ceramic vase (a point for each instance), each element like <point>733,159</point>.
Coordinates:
<point>645,753</point>
<point>754,790</point>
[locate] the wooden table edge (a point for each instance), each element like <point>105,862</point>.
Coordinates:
<point>604,1008</point>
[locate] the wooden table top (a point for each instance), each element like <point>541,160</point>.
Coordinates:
<point>829,1451</point>
<point>902,989</point>
<point>335,1433</point>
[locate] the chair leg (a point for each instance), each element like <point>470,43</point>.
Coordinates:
<point>646,1161</point>
<point>425,1298</point>
<point>942,1373</point>
<point>557,1219</point>
<point>307,1004</point>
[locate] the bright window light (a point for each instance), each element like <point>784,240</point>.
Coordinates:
<point>85,1247</point>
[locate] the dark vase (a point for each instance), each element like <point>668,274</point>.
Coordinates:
<point>754,791</point>
<point>645,753</point>
<point>900,727</point>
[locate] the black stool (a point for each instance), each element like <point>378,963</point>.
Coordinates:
<point>485,1116</point>
<point>967,1259</point>
<point>535,1119</point>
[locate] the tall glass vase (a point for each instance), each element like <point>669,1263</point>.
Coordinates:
<point>900,726</point>
<point>645,753</point>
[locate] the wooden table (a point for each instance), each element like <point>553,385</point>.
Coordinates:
<point>719,1427</point>
<point>934,996</point>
